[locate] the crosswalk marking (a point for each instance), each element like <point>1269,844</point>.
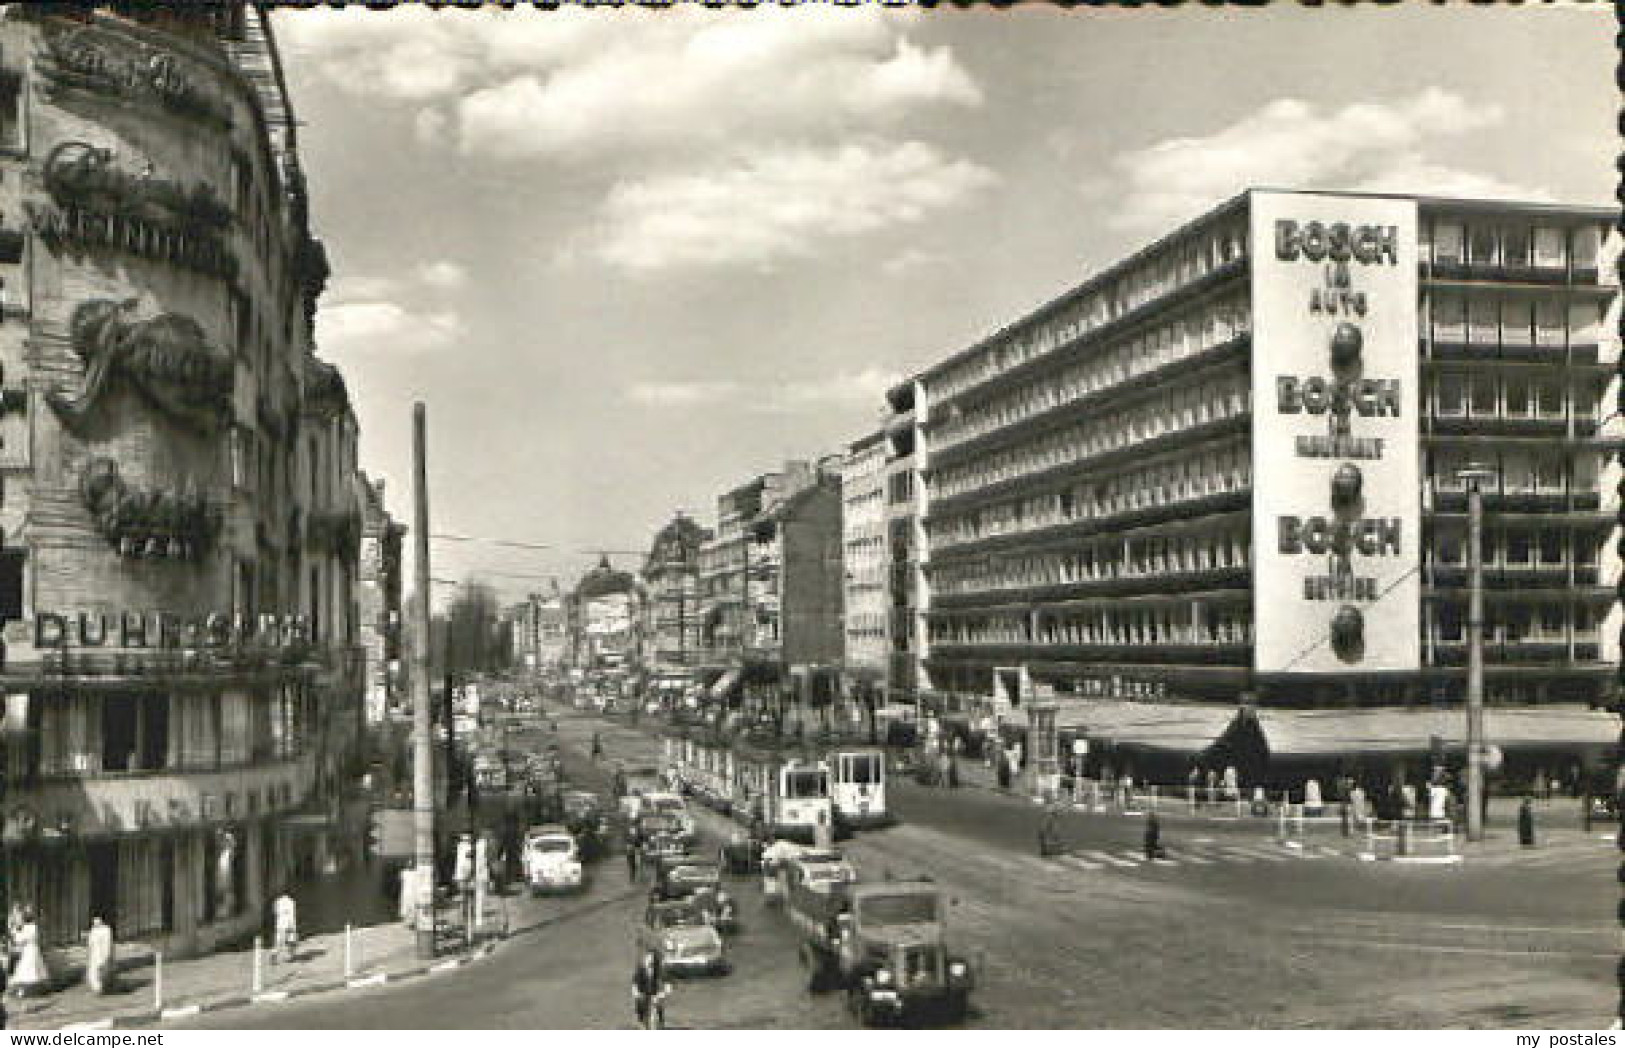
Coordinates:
<point>1104,856</point>
<point>1192,857</point>
<point>1080,863</point>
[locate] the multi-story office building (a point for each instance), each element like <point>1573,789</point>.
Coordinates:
<point>905,538</point>
<point>1229,469</point>
<point>770,579</point>
<point>867,597</point>
<point>182,516</point>
<point>378,599</point>
<point>671,579</point>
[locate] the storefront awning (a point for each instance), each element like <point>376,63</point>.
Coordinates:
<point>1350,732</point>
<point>1165,726</point>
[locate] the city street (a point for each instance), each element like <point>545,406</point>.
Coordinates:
<point>1233,931</point>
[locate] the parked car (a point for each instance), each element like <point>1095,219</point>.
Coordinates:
<point>677,933</point>
<point>552,860</point>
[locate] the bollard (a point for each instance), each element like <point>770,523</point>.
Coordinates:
<point>158,981</point>
<point>259,975</point>
<point>349,958</point>
<point>1153,804</point>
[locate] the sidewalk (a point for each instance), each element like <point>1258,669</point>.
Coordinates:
<point>1557,822</point>
<point>225,979</point>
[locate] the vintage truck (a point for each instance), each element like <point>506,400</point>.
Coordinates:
<point>882,942</point>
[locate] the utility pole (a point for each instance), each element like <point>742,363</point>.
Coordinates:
<point>1475,477</point>
<point>422,715</point>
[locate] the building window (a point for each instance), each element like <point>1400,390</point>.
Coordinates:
<point>1519,397</point>
<point>1447,244</point>
<point>1515,248</point>
<point>1481,247</point>
<point>1452,395</point>
<point>12,118</point>
<point>12,570</point>
<point>1586,242</point>
<point>1449,319</point>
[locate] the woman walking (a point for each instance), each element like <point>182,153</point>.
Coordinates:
<point>31,975</point>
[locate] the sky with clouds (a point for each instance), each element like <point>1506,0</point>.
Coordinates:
<point>631,257</point>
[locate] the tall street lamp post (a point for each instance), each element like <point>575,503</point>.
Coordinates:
<point>1475,477</point>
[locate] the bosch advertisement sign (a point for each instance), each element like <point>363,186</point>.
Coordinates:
<point>1336,484</point>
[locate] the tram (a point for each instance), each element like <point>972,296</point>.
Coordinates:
<point>858,787</point>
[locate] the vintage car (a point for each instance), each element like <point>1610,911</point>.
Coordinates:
<point>653,824</point>
<point>584,817</point>
<point>740,854</point>
<point>672,804</point>
<point>678,934</point>
<point>552,860</point>
<point>699,879</point>
<point>655,847</point>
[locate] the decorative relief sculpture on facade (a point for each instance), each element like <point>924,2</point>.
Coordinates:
<point>94,202</point>
<point>76,59</point>
<point>179,524</point>
<point>166,359</point>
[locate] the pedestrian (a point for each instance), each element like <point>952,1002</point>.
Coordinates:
<point>953,773</point>
<point>1313,804</point>
<point>99,956</point>
<point>944,767</point>
<point>1357,803</point>
<point>31,976</point>
<point>1193,781</point>
<point>285,926</point>
<point>1153,838</point>
<point>14,925</point>
<point>1407,809</point>
<point>1232,783</point>
<point>1261,804</point>
<point>631,860</point>
<point>1526,822</point>
<point>1004,771</point>
<point>1212,786</point>
<point>597,747</point>
<point>1438,802</point>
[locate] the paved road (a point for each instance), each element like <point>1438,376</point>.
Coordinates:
<point>1236,931</point>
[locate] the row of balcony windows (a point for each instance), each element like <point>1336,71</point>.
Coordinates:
<point>1542,326</point>
<point>1539,629</point>
<point>1170,626</point>
<point>1491,396</point>
<point>1199,475</point>
<point>1183,337</point>
<point>1149,556</point>
<point>1169,412</point>
<point>1177,265</point>
<point>1500,250</point>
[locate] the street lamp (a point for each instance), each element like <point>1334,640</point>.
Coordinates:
<point>1475,477</point>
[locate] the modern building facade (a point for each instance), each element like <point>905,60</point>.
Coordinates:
<point>1228,471</point>
<point>905,540</point>
<point>671,580</point>
<point>865,561</point>
<point>378,598</point>
<point>181,520</point>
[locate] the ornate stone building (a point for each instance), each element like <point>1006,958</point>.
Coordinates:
<point>378,597</point>
<point>180,519</point>
<point>671,579</point>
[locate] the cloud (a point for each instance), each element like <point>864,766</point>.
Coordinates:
<point>442,274</point>
<point>681,394</point>
<point>841,390</point>
<point>910,259</point>
<point>768,206</point>
<point>866,388</point>
<point>582,84</point>
<point>382,326</point>
<point>1368,146</point>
